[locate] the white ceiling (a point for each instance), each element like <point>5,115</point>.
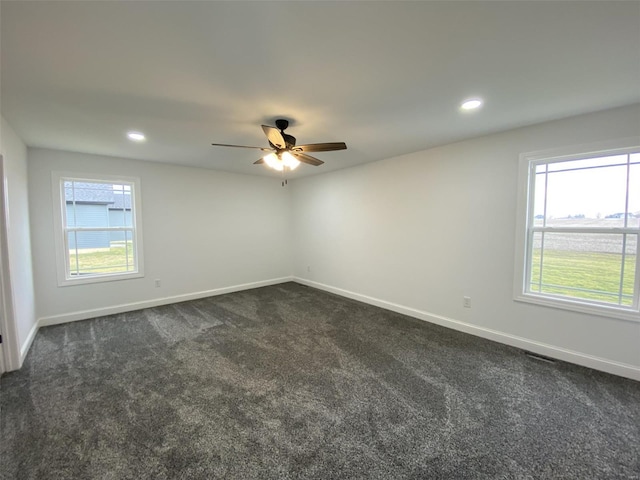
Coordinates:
<point>385,77</point>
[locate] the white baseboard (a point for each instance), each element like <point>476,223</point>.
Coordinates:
<point>578,358</point>
<point>24,348</point>
<point>129,307</point>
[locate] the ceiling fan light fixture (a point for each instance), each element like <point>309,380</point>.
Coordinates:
<point>281,161</point>
<point>290,161</point>
<point>273,161</point>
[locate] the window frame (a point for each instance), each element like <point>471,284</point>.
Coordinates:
<point>524,221</point>
<point>64,277</point>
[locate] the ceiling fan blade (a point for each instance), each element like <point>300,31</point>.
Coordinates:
<point>259,161</point>
<point>274,136</point>
<point>321,147</point>
<point>264,149</point>
<point>308,159</point>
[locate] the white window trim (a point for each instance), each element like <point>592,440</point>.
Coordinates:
<point>524,211</point>
<point>60,241</point>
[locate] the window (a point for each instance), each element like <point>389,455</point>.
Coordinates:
<point>579,226</point>
<point>98,234</point>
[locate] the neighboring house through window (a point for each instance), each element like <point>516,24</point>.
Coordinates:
<point>579,225</point>
<point>98,228</point>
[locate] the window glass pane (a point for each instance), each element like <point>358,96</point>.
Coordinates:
<point>121,206</point>
<point>92,253</point>
<point>590,198</point>
<point>581,266</point>
<point>70,214</point>
<point>535,278</point>
<point>98,204</point>
<point>629,270</point>
<point>129,250</point>
<point>539,196</point>
<point>120,218</point>
<point>68,190</point>
<point>633,219</point>
<point>88,192</point>
<point>588,163</point>
<point>87,215</point>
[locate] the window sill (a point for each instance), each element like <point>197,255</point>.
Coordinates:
<point>67,282</point>
<point>620,313</point>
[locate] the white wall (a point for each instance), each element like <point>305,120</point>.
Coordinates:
<point>418,232</point>
<point>21,288</point>
<point>204,232</point>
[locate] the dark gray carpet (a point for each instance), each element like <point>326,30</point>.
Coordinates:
<point>291,382</point>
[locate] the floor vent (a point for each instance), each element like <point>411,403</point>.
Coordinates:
<point>541,358</point>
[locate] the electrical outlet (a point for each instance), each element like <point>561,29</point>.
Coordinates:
<point>466,302</point>
<point>158,283</point>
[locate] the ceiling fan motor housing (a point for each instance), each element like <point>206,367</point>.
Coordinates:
<point>290,141</point>
<point>282,124</point>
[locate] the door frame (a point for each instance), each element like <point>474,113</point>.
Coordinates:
<point>9,349</point>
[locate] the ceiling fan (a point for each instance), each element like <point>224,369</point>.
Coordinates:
<point>283,152</point>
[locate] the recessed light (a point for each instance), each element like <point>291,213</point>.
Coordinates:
<point>136,136</point>
<point>471,104</point>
